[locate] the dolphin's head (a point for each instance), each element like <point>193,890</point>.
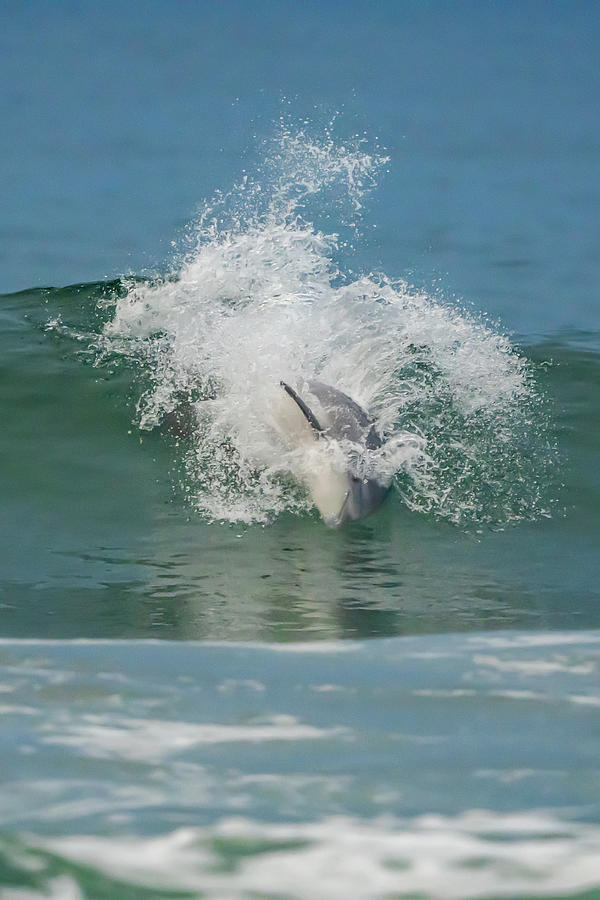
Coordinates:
<point>334,481</point>
<point>341,496</point>
<point>364,496</point>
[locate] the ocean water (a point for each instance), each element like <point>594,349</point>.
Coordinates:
<point>204,691</point>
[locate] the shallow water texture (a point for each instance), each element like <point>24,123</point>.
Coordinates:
<point>204,691</point>
<point>170,769</point>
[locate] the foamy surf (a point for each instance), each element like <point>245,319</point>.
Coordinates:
<point>439,766</point>
<point>478,854</point>
<point>261,295</point>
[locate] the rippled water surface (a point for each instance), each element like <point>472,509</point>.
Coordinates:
<point>405,766</point>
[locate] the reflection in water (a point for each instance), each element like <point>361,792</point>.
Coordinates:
<point>395,573</point>
<point>296,580</point>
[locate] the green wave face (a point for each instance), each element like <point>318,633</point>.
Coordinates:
<point>102,533</point>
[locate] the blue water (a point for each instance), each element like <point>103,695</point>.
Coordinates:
<point>204,691</point>
<point>120,120</point>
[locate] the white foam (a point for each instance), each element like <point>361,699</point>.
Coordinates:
<point>477,854</point>
<point>63,888</point>
<point>534,666</point>
<point>18,710</point>
<point>153,740</point>
<point>538,639</point>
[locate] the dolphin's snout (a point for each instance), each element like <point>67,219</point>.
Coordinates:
<point>334,521</point>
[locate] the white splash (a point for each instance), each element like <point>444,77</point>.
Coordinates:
<point>261,295</point>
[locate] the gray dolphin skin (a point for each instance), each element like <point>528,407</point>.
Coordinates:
<point>345,420</point>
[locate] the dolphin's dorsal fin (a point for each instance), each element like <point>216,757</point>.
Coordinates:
<point>346,420</point>
<point>305,410</point>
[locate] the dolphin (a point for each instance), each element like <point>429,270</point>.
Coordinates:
<point>340,495</point>
<point>335,483</point>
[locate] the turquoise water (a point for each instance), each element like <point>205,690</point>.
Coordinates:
<point>204,691</point>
